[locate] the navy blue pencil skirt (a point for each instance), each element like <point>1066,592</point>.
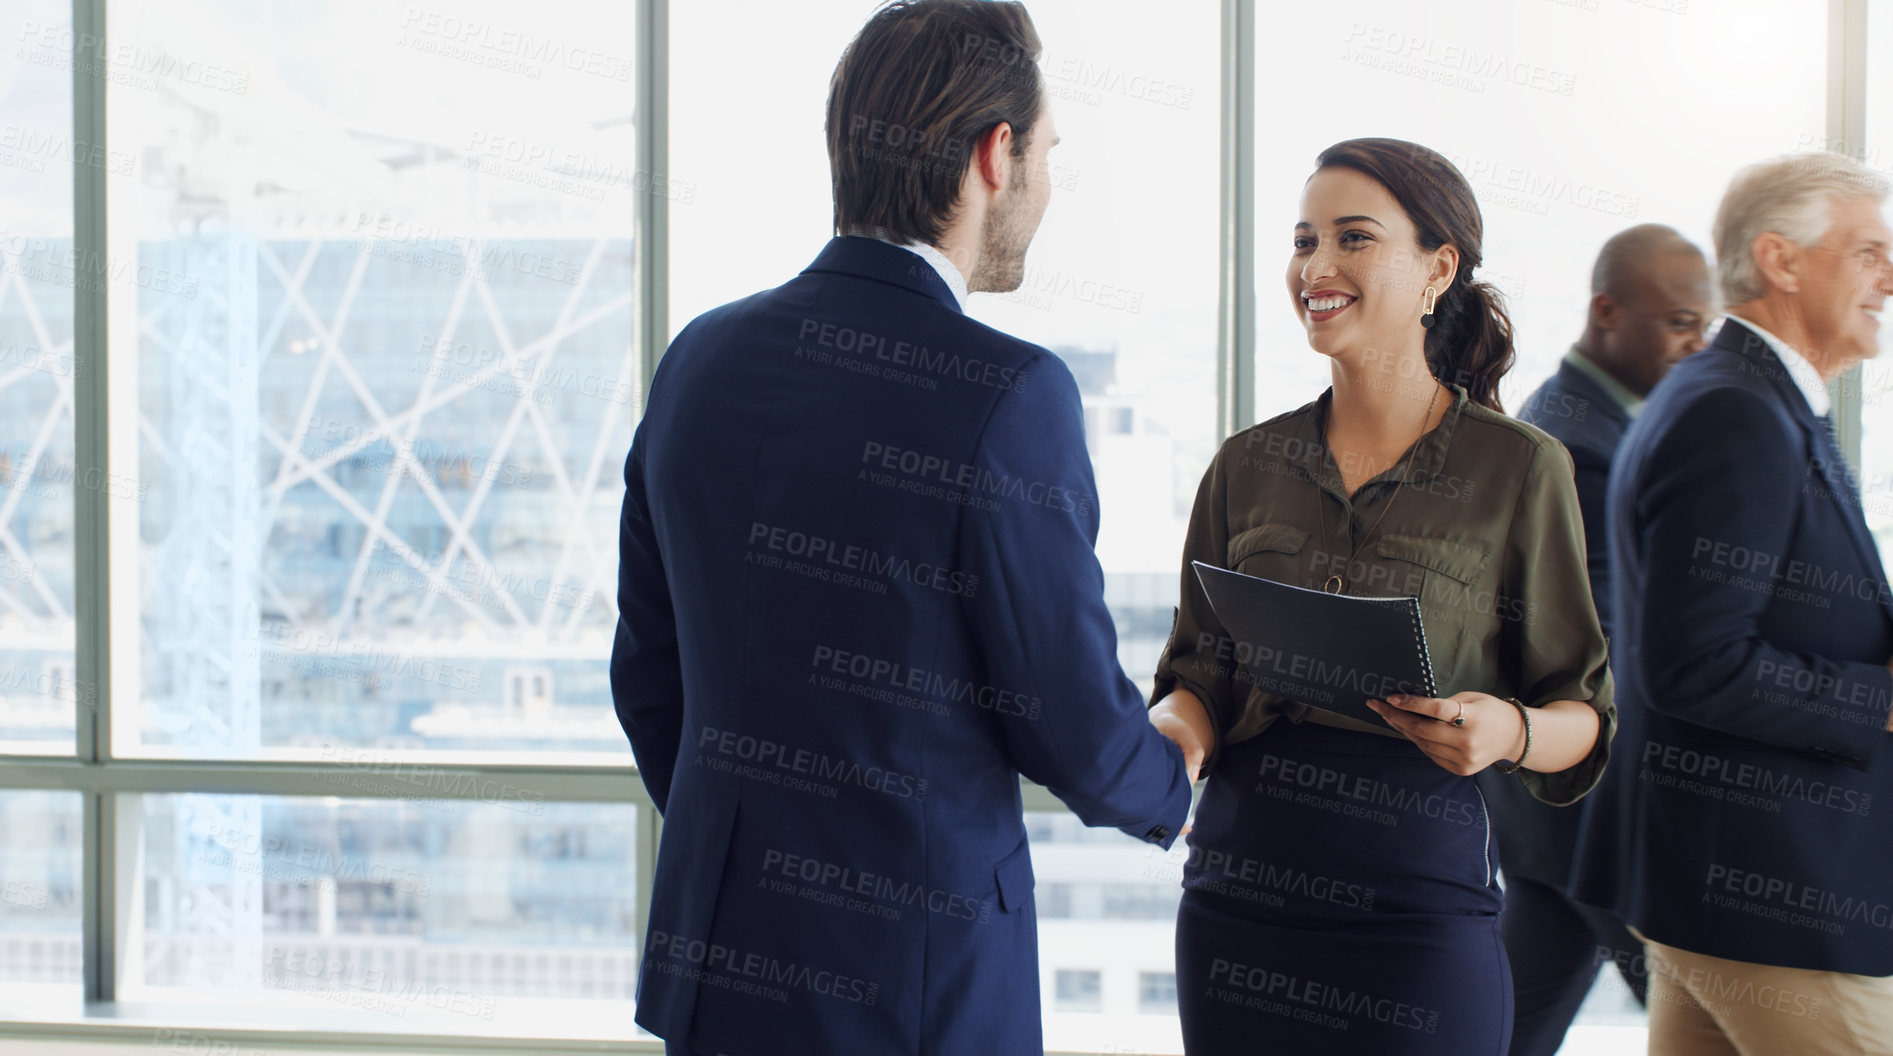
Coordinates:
<point>1340,898</point>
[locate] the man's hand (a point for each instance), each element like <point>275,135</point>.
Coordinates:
<point>1182,718</point>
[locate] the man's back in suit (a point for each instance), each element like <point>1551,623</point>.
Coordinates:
<point>1649,304</point>
<point>1535,840</point>
<point>1590,422</point>
<point>872,518</point>
<point>859,598</point>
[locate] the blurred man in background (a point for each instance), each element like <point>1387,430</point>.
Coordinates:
<point>1649,305</point>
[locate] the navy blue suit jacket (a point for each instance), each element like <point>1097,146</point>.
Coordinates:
<point>859,599</point>
<point>1750,818</point>
<point>1536,841</point>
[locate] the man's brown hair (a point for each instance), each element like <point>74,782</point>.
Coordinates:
<point>913,93</point>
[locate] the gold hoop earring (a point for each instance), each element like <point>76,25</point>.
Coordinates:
<point>1427,301</point>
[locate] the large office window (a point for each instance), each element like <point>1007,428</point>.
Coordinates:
<point>384,379</point>
<point>1571,122</point>
<point>384,385</point>
<point>39,274</point>
<point>40,831</point>
<point>372,379</point>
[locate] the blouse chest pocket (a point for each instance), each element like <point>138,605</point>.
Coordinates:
<point>1448,574</point>
<point>1270,551</point>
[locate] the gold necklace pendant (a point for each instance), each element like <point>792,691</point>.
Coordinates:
<point>1333,585</point>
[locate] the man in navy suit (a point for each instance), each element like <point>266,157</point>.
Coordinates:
<point>859,597</point>
<point>1649,305</point>
<point>1747,838</point>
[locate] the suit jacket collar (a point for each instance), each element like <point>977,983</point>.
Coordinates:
<point>1828,462</point>
<point>1574,381</point>
<point>871,258</point>
<point>1736,336</point>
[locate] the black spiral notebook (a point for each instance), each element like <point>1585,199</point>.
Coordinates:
<point>1330,651</point>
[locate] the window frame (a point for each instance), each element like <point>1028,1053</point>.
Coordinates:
<point>111,787</point>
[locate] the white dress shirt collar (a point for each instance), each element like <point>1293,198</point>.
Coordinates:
<point>1805,377</point>
<point>938,260</point>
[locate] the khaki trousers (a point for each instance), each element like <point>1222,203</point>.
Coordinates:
<point>1708,1006</point>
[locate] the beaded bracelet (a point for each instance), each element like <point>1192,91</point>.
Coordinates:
<point>1523,713</point>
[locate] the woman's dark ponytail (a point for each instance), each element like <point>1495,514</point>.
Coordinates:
<point>1470,342</point>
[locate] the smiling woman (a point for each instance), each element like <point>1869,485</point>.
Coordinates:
<point>1468,338</point>
<point>1382,276</point>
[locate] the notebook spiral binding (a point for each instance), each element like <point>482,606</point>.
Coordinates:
<point>1426,655</point>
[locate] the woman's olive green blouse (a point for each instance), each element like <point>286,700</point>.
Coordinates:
<point>1486,534</point>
